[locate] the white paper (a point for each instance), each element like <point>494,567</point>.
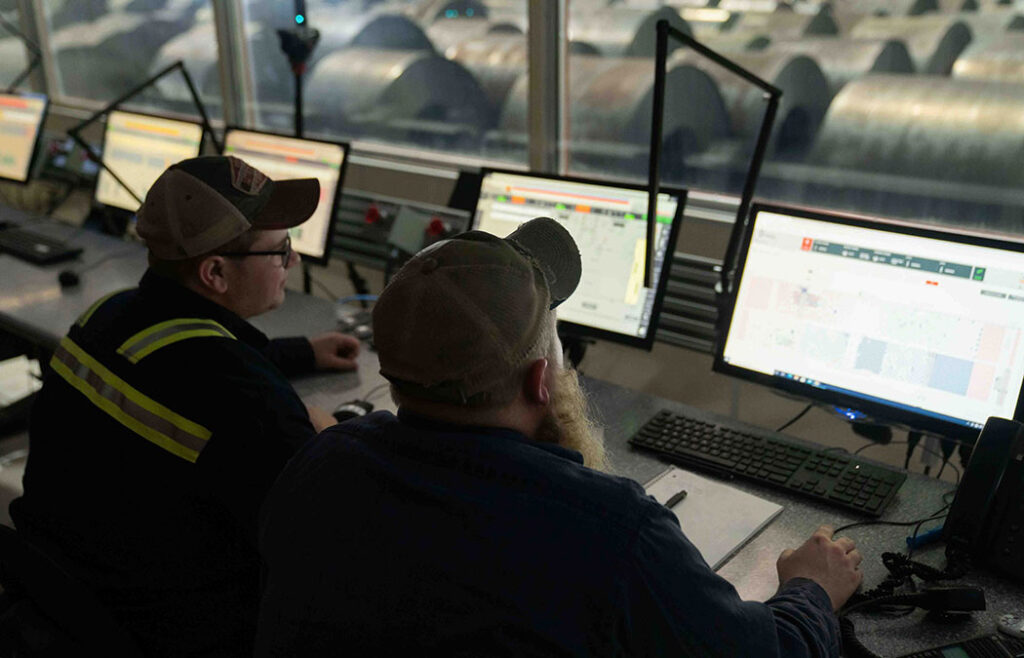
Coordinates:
<point>717,518</point>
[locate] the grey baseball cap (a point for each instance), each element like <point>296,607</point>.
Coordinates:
<point>465,313</point>
<point>202,203</point>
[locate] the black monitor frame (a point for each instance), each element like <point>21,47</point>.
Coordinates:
<point>34,155</point>
<point>879,412</point>
<point>346,151</point>
<point>123,214</point>
<point>585,331</point>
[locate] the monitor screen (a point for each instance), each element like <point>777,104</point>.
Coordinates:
<point>287,157</point>
<point>138,148</point>
<point>609,224</point>
<point>21,122</point>
<point>913,326</point>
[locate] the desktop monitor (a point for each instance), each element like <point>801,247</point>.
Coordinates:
<point>913,326</point>
<point>138,148</point>
<point>288,157</point>
<point>21,122</point>
<point>608,221</point>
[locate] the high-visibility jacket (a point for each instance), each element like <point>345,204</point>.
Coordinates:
<point>160,426</point>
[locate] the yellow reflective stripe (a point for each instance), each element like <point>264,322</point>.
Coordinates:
<point>168,332</point>
<point>92,309</point>
<point>139,413</point>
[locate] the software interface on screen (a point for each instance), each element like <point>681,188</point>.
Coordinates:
<point>21,117</point>
<point>138,148</point>
<point>287,157</point>
<point>920,324</point>
<point>608,223</point>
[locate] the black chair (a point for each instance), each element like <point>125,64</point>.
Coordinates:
<point>44,611</point>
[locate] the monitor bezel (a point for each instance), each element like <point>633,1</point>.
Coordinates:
<point>346,151</point>
<point>880,412</point>
<point>34,155</point>
<point>118,210</point>
<point>574,329</point>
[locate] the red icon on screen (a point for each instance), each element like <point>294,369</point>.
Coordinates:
<point>806,245</point>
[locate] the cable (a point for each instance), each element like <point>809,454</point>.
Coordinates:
<point>362,297</point>
<point>926,449</point>
<point>795,418</point>
<point>320,284</point>
<point>373,391</point>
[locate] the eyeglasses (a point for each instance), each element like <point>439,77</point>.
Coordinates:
<point>285,252</point>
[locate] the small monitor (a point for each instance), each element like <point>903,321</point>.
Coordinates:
<point>138,148</point>
<point>609,224</point>
<point>913,326</point>
<point>21,122</point>
<point>288,157</point>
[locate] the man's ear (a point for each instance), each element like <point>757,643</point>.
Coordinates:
<point>211,274</point>
<point>535,387</point>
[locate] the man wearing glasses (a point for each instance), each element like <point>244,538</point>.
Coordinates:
<point>165,416</point>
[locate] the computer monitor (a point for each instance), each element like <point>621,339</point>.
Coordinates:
<point>287,157</point>
<point>138,148</point>
<point>913,326</point>
<point>21,122</point>
<point>609,223</point>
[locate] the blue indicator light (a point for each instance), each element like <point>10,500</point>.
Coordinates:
<point>300,19</point>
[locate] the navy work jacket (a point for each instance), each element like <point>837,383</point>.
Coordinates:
<point>162,422</point>
<point>403,536</point>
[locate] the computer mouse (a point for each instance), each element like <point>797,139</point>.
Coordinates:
<point>352,409</point>
<point>68,278</point>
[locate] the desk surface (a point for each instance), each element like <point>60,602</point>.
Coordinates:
<point>33,305</point>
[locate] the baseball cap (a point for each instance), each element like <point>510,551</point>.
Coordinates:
<point>465,313</point>
<point>202,203</point>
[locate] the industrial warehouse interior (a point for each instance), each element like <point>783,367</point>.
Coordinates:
<point>833,266</point>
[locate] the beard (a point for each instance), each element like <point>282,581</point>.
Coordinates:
<point>568,422</point>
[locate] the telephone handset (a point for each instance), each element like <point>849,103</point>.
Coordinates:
<point>986,519</point>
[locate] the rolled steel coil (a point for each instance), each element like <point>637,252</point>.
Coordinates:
<point>843,60</point>
<point>622,31</point>
<point>454,32</point>
<point>997,60</point>
<point>934,41</point>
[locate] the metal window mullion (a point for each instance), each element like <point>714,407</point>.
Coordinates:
<point>546,45</point>
<point>233,62</point>
<point>32,18</point>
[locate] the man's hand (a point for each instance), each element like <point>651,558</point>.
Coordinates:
<point>835,565</point>
<point>321,419</point>
<point>335,351</point>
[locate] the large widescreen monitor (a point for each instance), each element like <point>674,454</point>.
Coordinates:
<point>913,326</point>
<point>609,224</point>
<point>287,157</point>
<point>21,122</point>
<point>138,148</point>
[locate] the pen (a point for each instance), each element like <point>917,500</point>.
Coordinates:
<point>675,498</point>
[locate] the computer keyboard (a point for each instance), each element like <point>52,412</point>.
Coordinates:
<point>723,447</point>
<point>35,248</point>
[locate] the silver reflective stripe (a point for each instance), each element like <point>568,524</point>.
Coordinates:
<point>167,333</point>
<point>139,413</point>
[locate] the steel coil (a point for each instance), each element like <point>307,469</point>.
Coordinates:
<point>968,131</point>
<point>998,60</point>
<point>623,32</point>
<point>934,42</point>
<point>843,60</point>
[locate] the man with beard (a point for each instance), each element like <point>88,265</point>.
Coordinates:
<point>479,521</point>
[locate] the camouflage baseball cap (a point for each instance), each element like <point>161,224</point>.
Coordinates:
<point>203,203</point>
<point>465,313</point>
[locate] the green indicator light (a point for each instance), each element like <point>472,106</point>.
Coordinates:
<point>979,274</point>
<point>560,206</point>
<point>630,215</point>
<point>502,198</point>
<point>662,219</point>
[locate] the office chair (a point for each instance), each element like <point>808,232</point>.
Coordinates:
<point>44,611</point>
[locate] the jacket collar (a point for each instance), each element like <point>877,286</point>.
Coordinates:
<point>185,302</point>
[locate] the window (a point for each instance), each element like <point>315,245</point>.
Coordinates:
<point>430,75</point>
<point>103,49</point>
<point>907,113</point>
<point>14,54</point>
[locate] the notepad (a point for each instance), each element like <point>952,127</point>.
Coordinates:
<point>717,518</point>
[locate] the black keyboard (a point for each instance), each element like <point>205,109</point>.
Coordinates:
<point>724,448</point>
<point>35,248</point>
<point>989,646</point>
